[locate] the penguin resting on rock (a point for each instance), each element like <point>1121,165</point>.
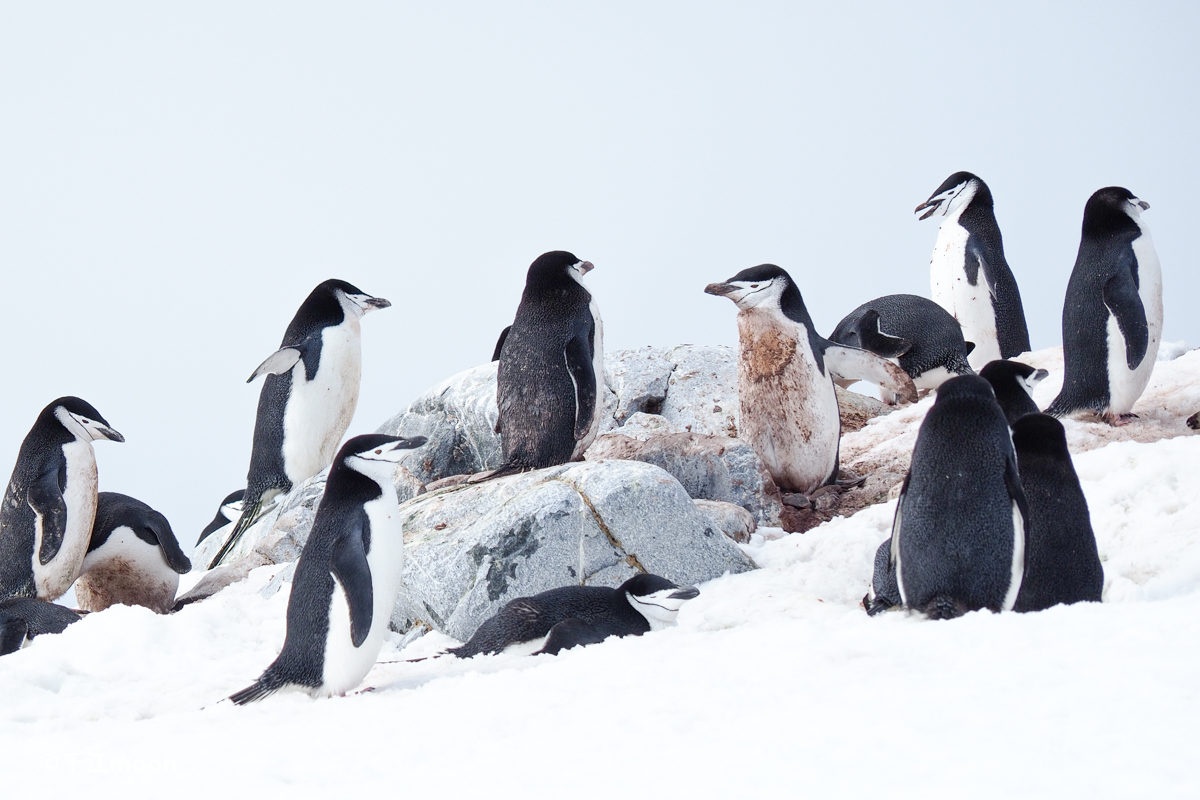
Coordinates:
<point>347,577</point>
<point>968,273</point>
<point>559,619</point>
<point>789,409</point>
<point>1113,313</point>
<point>307,399</point>
<point>50,505</point>
<point>133,558</point>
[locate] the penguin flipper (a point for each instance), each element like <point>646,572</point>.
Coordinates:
<point>45,498</point>
<point>871,334</point>
<point>573,632</point>
<point>1123,302</point>
<point>172,552</point>
<point>500,343</point>
<point>12,635</point>
<point>350,569</point>
<point>579,363</point>
<point>863,365</point>
<point>277,363</point>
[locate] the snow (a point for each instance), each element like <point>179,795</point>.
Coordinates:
<point>773,684</point>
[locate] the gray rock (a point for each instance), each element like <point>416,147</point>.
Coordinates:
<point>708,467</point>
<point>471,549</point>
<point>702,394</point>
<point>734,521</point>
<point>638,379</point>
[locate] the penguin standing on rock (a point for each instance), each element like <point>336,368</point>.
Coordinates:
<point>1112,317</point>
<point>308,398</point>
<point>789,409</point>
<point>551,373</point>
<point>958,538</point>
<point>347,577</point>
<point>563,618</point>
<point>50,505</point>
<point>1013,382</point>
<point>970,277</point>
<point>1062,564</point>
<point>133,558</point>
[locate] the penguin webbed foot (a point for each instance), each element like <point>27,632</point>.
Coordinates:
<point>1118,420</point>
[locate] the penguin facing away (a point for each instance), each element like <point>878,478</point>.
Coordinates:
<point>1013,382</point>
<point>958,538</point>
<point>307,399</point>
<point>347,577</point>
<point>227,513</point>
<point>551,371</point>
<point>912,331</point>
<point>133,558</point>
<point>969,275</point>
<point>50,504</point>
<point>562,618</point>
<point>22,618</point>
<point>789,410</point>
<point>1062,563</point>
<point>1112,316</point>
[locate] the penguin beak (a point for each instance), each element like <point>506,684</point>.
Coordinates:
<point>928,204</point>
<point>720,289</point>
<point>686,593</point>
<point>411,443</point>
<point>109,433</point>
<point>372,303</point>
<point>1144,205</point>
<point>585,267</point>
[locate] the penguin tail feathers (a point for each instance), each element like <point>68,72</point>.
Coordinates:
<point>264,686</point>
<point>944,607</point>
<point>251,511</point>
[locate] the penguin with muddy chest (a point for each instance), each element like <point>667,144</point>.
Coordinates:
<point>347,577</point>
<point>50,504</point>
<point>788,406</point>
<point>1113,313</point>
<point>969,275</point>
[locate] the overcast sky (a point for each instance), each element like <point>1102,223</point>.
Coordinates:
<point>175,178</point>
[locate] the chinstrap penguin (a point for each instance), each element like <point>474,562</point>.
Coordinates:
<point>50,505</point>
<point>133,558</point>
<point>968,273</point>
<point>569,616</point>
<point>550,379</point>
<point>227,513</point>
<point>1013,382</point>
<point>1062,564</point>
<point>22,618</point>
<point>1112,316</point>
<point>347,577</point>
<point>912,331</point>
<point>958,538</point>
<point>307,399</point>
<point>789,409</point>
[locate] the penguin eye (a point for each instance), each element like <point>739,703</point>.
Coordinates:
<point>754,286</point>
<point>378,452</point>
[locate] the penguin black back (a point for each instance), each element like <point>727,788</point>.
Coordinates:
<point>23,618</point>
<point>1013,383</point>
<point>1062,563</point>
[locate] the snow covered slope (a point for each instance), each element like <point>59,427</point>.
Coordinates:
<point>774,684</point>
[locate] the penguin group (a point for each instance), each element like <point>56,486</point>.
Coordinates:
<point>989,516</point>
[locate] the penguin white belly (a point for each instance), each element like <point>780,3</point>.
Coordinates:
<point>932,378</point>
<point>1126,385</point>
<point>347,665</point>
<point>319,411</point>
<point>601,388</point>
<point>126,570</point>
<point>789,410</point>
<point>52,580</point>
<point>970,305</point>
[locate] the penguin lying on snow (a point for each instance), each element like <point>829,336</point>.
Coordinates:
<point>1112,316</point>
<point>1013,383</point>
<point>50,504</point>
<point>133,558</point>
<point>1062,564</point>
<point>958,538</point>
<point>227,513</point>
<point>551,371</point>
<point>307,399</point>
<point>347,577</point>
<point>914,332</point>
<point>969,275</point>
<point>577,615</point>
<point>789,409</point>
<point>22,618</point>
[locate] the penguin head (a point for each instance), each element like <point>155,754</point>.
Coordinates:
<point>376,455</point>
<point>229,510</point>
<point>1111,207</point>
<point>82,420</point>
<point>965,386</point>
<point>656,598</point>
<point>954,194</point>
<point>1001,373</point>
<point>763,285</point>
<point>556,266</point>
<point>354,301</point>
<point>1041,434</point>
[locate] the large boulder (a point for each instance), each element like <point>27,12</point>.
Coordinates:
<point>472,548</point>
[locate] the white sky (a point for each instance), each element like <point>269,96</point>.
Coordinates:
<point>174,180</point>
